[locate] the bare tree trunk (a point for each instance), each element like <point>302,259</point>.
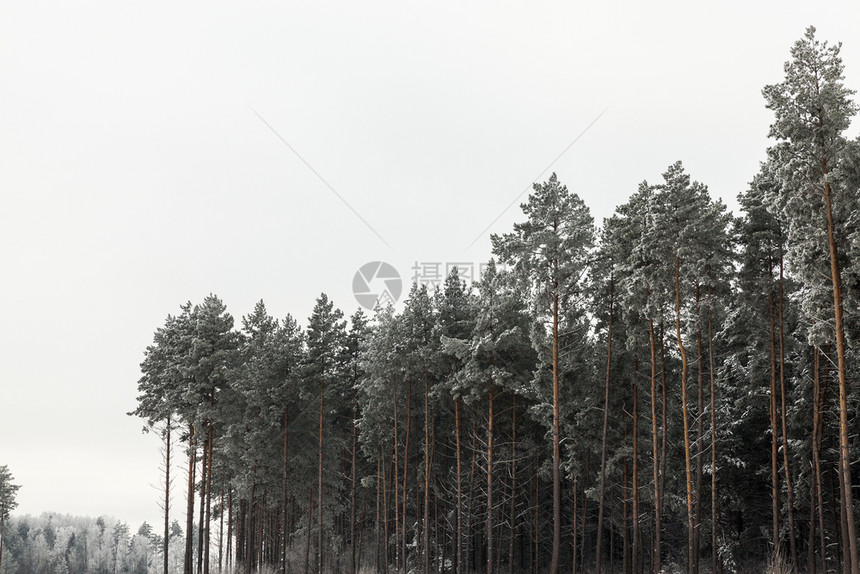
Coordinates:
<point>700,432</point>
<point>221,535</point>
<point>685,413</point>
<point>785,459</point>
<point>395,490</point>
<point>844,445</point>
<point>352,562</point>
<point>658,518</point>
<point>490,481</point>
<point>556,437</point>
<point>774,465</point>
<point>817,429</point>
<point>716,565</point>
<point>202,514</point>
<point>166,496</point>
<point>427,447</point>
<point>208,522</point>
<point>230,528</point>
<point>635,457</point>
<point>286,532</point>
<point>575,524</point>
<point>308,537</point>
<point>188,567</point>
<point>599,546</point>
<point>378,495</point>
<point>406,472</point>
<point>458,534</point>
<point>513,511</point>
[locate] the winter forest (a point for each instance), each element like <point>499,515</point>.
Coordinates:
<point>671,391</point>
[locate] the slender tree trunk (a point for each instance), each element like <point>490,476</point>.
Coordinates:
<point>352,563</point>
<point>458,534</point>
<point>286,532</point>
<point>166,497</point>
<point>396,490</point>
<point>716,565</point>
<point>378,495</point>
<point>658,518</point>
<point>556,437</point>
<point>816,451</point>
<point>470,551</point>
<point>320,484</point>
<point>513,511</point>
<point>230,528</point>
<point>700,432</point>
<point>188,567</point>
<point>584,507</point>
<point>221,535</point>
<point>685,413</point>
<point>490,481</point>
<point>599,546</point>
<point>202,514</point>
<point>427,448</point>
<point>786,468</point>
<point>774,465</point>
<point>625,515</point>
<point>308,537</point>
<point>406,473</point>
<point>844,444</point>
<point>664,419</point>
<point>208,522</point>
<point>574,526</point>
<point>635,459</point>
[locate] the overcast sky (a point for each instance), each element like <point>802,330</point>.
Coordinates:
<point>136,172</point>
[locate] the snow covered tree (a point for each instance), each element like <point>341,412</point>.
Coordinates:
<point>550,251</point>
<point>812,109</point>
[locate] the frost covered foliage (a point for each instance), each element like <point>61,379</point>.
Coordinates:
<point>666,394</point>
<point>59,544</point>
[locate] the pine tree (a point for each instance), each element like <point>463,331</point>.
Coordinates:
<point>812,109</point>
<point>550,251</point>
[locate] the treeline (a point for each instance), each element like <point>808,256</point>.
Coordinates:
<point>60,544</point>
<point>673,388</point>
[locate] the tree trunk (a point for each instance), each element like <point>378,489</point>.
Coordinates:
<point>658,518</point>
<point>308,537</point>
<point>286,533</point>
<point>406,472</point>
<point>817,429</point>
<point>786,468</point>
<point>635,458</point>
<point>774,465</point>
<point>513,511</point>
<point>716,565</point>
<point>352,564</point>
<point>427,447</point>
<point>556,450</point>
<point>700,432</point>
<point>188,567</point>
<point>599,546</point>
<point>166,498</point>
<point>458,534</point>
<point>208,522</point>
<point>202,513</point>
<point>490,481</point>
<point>229,529</point>
<point>378,496</point>
<point>844,445</point>
<point>396,490</point>
<point>320,484</point>
<point>684,411</point>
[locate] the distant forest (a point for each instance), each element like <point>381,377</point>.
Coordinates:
<point>673,391</point>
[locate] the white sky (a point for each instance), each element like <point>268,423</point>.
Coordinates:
<point>135,175</point>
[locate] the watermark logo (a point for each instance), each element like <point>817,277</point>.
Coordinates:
<point>376,283</point>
